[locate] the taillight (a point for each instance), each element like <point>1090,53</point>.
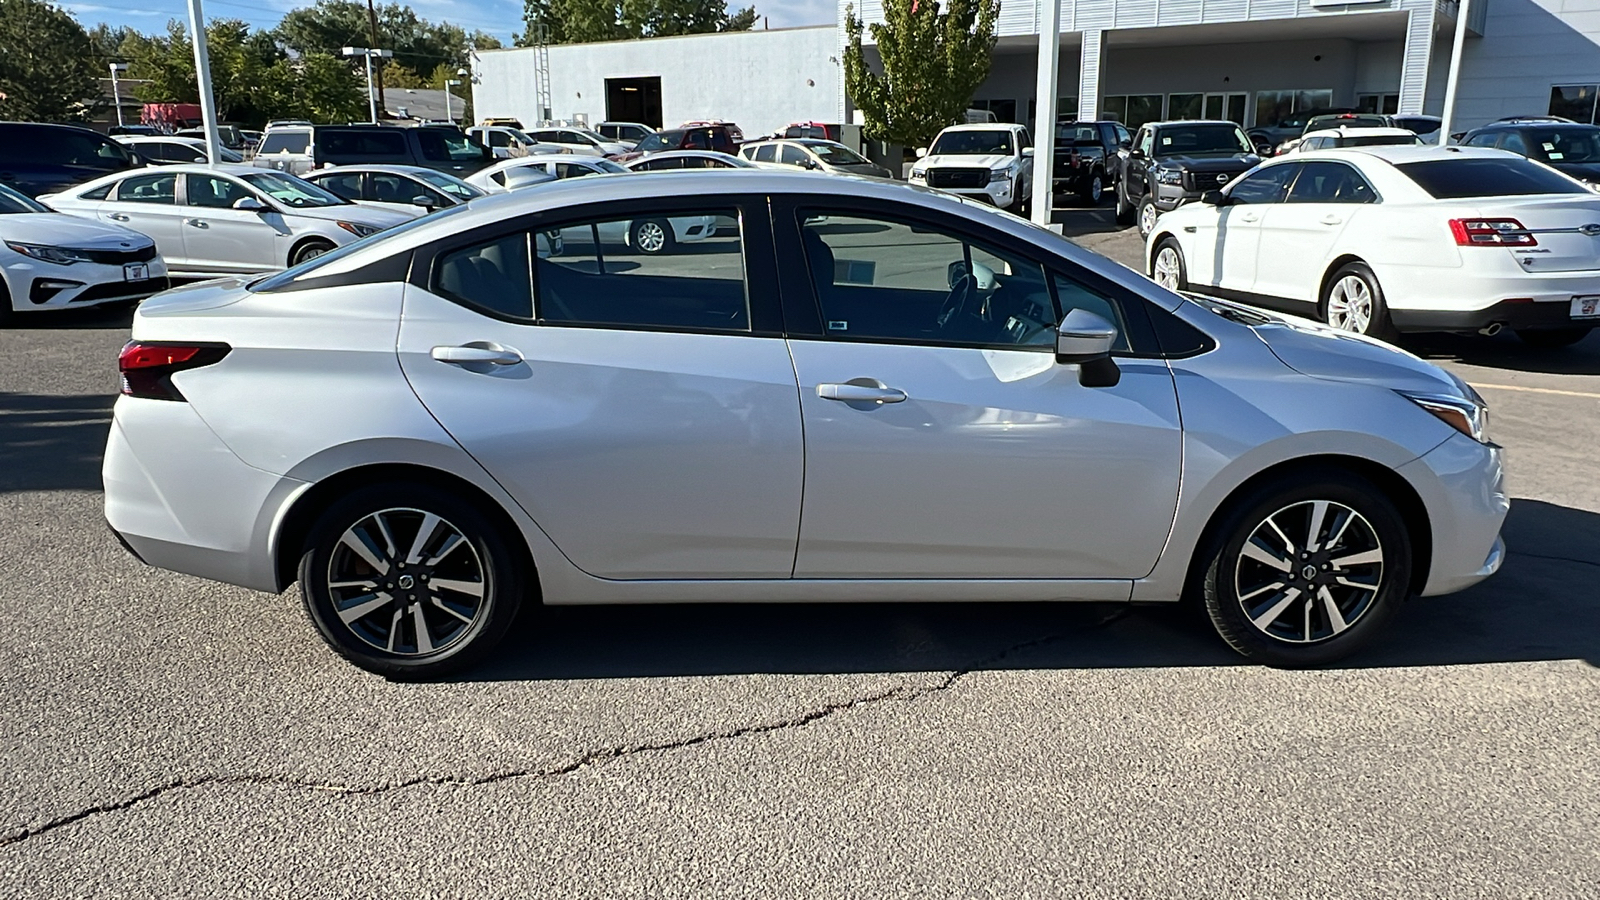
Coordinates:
<point>1491,233</point>
<point>147,367</point>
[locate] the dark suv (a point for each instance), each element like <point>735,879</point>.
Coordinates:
<point>1088,158</point>
<point>1172,163</point>
<point>1569,147</point>
<point>43,159</point>
<point>298,149</point>
<point>721,138</point>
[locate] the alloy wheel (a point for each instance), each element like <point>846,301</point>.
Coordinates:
<point>1097,189</point>
<point>1168,267</point>
<point>1309,572</point>
<point>1350,305</point>
<point>407,582</point>
<point>651,237</point>
<point>1147,219</point>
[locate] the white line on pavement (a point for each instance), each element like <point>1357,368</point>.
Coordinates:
<point>1535,390</point>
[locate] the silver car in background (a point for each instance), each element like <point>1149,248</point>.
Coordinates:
<point>890,394</point>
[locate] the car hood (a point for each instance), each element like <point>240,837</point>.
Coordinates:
<point>1211,162</point>
<point>62,230</point>
<point>1313,349</point>
<point>967,160</point>
<point>361,215</point>
<point>872,169</point>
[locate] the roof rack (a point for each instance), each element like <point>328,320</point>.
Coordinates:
<point>1558,119</point>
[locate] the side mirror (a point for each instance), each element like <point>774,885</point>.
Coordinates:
<point>423,201</point>
<point>1027,152</point>
<point>809,164</point>
<point>1125,145</point>
<point>1085,339</point>
<point>249,204</point>
<point>921,152</point>
<point>1215,198</point>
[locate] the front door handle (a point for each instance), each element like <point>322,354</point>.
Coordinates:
<point>1331,220</point>
<point>493,354</point>
<point>860,393</point>
<point>197,223</point>
<point>1246,218</point>
<point>117,217</point>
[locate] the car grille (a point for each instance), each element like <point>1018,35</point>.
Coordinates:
<point>958,178</point>
<point>1200,182</point>
<point>120,257</point>
<point>112,290</point>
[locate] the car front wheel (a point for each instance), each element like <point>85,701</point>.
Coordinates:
<point>1353,301</point>
<point>1148,214</point>
<point>308,251</point>
<point>651,236</point>
<point>409,581</point>
<point>1125,210</point>
<point>1306,569</point>
<point>1166,267</point>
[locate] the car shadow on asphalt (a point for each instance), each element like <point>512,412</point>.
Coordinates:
<point>1506,351</point>
<point>97,317</point>
<point>1542,606</point>
<point>52,443</point>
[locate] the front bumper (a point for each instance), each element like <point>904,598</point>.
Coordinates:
<point>1462,486</point>
<point>41,286</point>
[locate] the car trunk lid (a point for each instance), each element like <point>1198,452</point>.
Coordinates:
<point>1558,233</point>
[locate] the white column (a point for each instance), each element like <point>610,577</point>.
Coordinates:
<point>1455,74</point>
<point>1417,61</point>
<point>202,68</point>
<point>1044,122</point>
<point>1094,46</point>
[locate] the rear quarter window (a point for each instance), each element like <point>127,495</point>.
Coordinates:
<point>1454,179</point>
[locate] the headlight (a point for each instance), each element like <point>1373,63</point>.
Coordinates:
<point>358,229</point>
<point>1468,415</point>
<point>61,256</point>
<point>1169,176</point>
<point>999,175</point>
<point>918,176</point>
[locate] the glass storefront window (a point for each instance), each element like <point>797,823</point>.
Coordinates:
<point>1185,106</point>
<point>1574,101</point>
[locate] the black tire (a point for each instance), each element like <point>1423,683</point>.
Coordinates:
<point>389,638</point>
<point>1094,189</point>
<point>309,250</point>
<point>1126,214</point>
<point>1166,244</point>
<point>1378,324</point>
<point>1554,338</point>
<point>651,236</point>
<point>6,313</point>
<point>1228,577</point>
<point>1148,215</point>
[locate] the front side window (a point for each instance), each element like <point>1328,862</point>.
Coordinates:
<point>387,187</point>
<point>661,140</point>
<point>793,156</point>
<point>573,170</point>
<point>449,185</point>
<point>883,280</point>
<point>1514,143</point>
<point>375,142</point>
<point>149,189</point>
<point>1328,182</point>
<point>1265,185</point>
<point>213,192</point>
<point>767,153</point>
<point>838,155</point>
<point>1564,145</point>
<point>444,145</point>
<point>1486,139</point>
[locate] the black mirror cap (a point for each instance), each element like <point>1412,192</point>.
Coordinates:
<point>1098,372</point>
<point>1214,198</point>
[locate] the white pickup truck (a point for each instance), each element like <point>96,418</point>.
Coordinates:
<point>992,162</point>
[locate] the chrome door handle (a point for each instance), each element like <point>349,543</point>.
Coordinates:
<point>860,393</point>
<point>1249,218</point>
<point>1331,220</point>
<point>494,355</point>
<point>117,217</point>
<point>198,223</point>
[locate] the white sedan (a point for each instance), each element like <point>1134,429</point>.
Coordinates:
<point>52,261</point>
<point>225,220</point>
<point>509,174</point>
<point>1380,240</point>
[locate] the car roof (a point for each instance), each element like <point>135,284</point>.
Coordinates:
<point>234,169</point>
<point>375,167</point>
<point>1169,123</point>
<point>152,138</point>
<point>986,126</point>
<point>1398,154</point>
<point>693,154</point>
<point>1363,131</point>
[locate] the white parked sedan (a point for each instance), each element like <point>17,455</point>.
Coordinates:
<point>890,394</point>
<point>52,261</point>
<point>226,220</point>
<point>509,174</point>
<point>1383,239</point>
<point>579,140</point>
<point>568,165</point>
<point>677,160</point>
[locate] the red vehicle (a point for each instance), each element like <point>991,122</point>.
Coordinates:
<point>823,130</point>
<point>723,137</point>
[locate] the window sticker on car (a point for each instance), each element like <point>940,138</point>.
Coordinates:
<point>838,325</point>
<point>1166,141</point>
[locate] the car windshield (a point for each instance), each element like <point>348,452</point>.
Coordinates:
<point>292,191</point>
<point>1376,140</point>
<point>1564,145</point>
<point>592,134</point>
<point>1452,179</point>
<point>972,143</point>
<point>1077,136</point>
<point>13,202</point>
<point>606,165</point>
<point>836,155</point>
<point>661,140</point>
<point>521,137</point>
<point>1187,140</point>
<point>1346,120</point>
<point>451,185</point>
<point>285,142</point>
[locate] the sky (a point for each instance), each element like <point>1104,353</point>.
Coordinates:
<point>501,18</point>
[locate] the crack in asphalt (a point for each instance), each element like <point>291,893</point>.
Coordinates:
<point>592,758</point>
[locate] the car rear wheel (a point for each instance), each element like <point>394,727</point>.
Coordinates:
<point>651,236</point>
<point>1094,190</point>
<point>409,581</point>
<point>1353,301</point>
<point>1148,214</point>
<point>1306,569</point>
<point>1167,268</point>
<point>1554,338</point>
<point>1125,210</point>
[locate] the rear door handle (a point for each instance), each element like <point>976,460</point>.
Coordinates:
<point>198,223</point>
<point>493,354</point>
<point>860,393</point>
<point>117,217</point>
<point>1249,218</point>
<point>1331,220</point>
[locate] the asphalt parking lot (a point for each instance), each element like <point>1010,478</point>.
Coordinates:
<point>165,736</point>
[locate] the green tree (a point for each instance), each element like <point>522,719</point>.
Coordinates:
<point>106,41</point>
<point>932,61</point>
<point>419,46</point>
<point>48,72</point>
<point>584,21</point>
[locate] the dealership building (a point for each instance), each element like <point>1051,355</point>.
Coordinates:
<point>1252,61</point>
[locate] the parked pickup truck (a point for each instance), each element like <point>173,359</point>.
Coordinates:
<point>1088,158</point>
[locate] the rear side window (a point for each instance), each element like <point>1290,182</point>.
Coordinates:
<point>346,185</point>
<point>1452,179</point>
<point>495,276</point>
<point>158,188</point>
<point>362,143</point>
<point>285,142</point>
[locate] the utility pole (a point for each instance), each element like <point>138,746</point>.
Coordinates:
<point>1454,77</point>
<point>116,92</point>
<point>370,54</point>
<point>202,70</point>
<point>372,20</point>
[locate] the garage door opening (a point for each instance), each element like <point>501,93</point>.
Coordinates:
<point>634,100</point>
